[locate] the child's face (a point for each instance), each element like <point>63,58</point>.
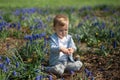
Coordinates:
<point>61,31</point>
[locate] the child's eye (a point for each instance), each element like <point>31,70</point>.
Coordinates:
<point>61,30</point>
<point>65,29</point>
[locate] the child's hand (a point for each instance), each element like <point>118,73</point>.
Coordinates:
<point>65,50</point>
<point>71,50</point>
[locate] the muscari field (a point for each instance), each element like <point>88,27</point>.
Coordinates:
<point>25,27</point>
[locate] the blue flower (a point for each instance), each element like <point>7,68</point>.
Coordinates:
<point>5,69</point>
<point>14,73</point>
<point>37,35</point>
<point>111,34</point>
<point>86,71</point>
<point>42,35</point>
<point>1,65</point>
<point>17,12</point>
<point>18,26</point>
<point>72,72</point>
<point>28,37</point>
<point>7,60</point>
<point>34,37</point>
<point>12,25</point>
<point>17,64</point>
<point>114,44</point>
<point>39,77</point>
<point>89,74</point>
<point>50,77</point>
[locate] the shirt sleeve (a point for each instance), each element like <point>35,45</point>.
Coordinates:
<point>72,44</point>
<point>54,47</point>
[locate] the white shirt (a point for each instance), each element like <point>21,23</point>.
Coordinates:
<point>63,43</point>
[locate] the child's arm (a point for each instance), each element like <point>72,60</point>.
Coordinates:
<point>54,48</point>
<point>71,50</point>
<point>64,50</point>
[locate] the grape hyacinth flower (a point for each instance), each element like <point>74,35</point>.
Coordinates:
<point>18,26</point>
<point>88,73</point>
<point>14,73</point>
<point>114,44</point>
<point>7,60</point>
<point>5,69</point>
<point>72,72</point>
<point>50,77</point>
<point>17,64</point>
<point>111,34</point>
<point>39,77</point>
<point>1,65</point>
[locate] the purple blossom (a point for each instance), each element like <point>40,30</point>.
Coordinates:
<point>14,73</point>
<point>39,77</point>
<point>18,26</point>
<point>17,64</point>
<point>89,74</point>
<point>114,44</point>
<point>111,34</point>
<point>1,65</point>
<point>7,60</point>
<point>28,37</point>
<point>5,69</point>
<point>34,36</point>
<point>86,71</point>
<point>50,77</point>
<point>12,25</point>
<point>17,12</point>
<point>72,72</point>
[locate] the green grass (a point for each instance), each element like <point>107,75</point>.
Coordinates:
<point>55,3</point>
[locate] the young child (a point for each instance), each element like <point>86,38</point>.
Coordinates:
<point>62,48</point>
